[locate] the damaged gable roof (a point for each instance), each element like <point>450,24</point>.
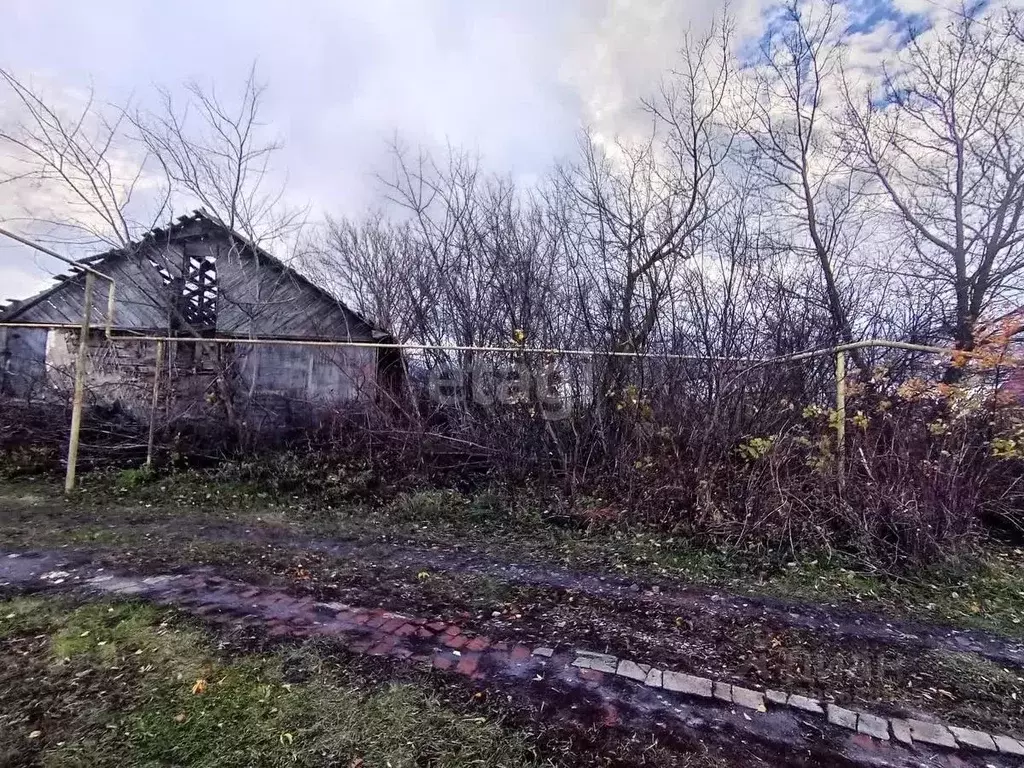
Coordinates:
<point>256,294</point>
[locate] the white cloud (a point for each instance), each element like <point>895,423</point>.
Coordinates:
<point>514,81</point>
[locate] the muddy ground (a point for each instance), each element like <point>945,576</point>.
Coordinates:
<point>837,653</point>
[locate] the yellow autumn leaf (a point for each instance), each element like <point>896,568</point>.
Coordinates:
<point>199,687</point>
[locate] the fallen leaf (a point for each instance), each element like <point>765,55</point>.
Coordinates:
<point>199,687</point>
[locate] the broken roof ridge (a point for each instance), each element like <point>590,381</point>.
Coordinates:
<point>13,307</point>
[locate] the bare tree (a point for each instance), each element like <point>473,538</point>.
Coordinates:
<point>944,140</point>
<point>218,154</point>
<point>799,153</point>
<point>633,211</point>
<point>108,188</point>
<point>372,265</point>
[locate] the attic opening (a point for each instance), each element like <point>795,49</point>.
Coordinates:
<point>194,292</point>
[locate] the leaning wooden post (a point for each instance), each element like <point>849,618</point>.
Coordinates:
<point>80,365</point>
<point>156,399</point>
<point>841,414</point>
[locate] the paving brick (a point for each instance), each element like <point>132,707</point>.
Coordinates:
<point>545,652</point>
<point>653,678</point>
<point>467,664</point>
<point>451,630</point>
<point>606,657</point>
<point>391,625</point>
<point>478,644</point>
<point>748,698</point>
<point>901,730</point>
<point>874,726</point>
<point>424,634</point>
<point>405,630</point>
<point>520,653</point>
<point>844,718</point>
<point>581,662</point>
<point>806,704</point>
<point>776,697</point>
<point>688,684</point>
<point>375,621</point>
<point>1008,745</point>
<point>602,662</point>
<point>384,647</point>
<point>931,733</point>
<point>632,670</point>
<point>436,626</point>
<point>443,662</point>
<point>976,739</point>
<point>723,691</point>
<point>456,641</point>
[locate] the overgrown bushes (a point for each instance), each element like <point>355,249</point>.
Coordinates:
<point>926,468</point>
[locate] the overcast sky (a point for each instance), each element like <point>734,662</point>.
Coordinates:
<point>512,79</point>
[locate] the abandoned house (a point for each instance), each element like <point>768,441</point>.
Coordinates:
<point>194,281</point>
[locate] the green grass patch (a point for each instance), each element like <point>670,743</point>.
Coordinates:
<point>132,685</point>
<point>983,592</point>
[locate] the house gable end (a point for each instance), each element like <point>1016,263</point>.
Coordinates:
<point>199,275</point>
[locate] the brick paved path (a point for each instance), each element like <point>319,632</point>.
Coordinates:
<point>612,692</point>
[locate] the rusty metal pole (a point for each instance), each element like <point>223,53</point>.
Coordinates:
<point>154,404</point>
<point>841,414</point>
<point>80,364</point>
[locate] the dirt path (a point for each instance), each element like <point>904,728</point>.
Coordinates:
<point>780,735</point>
<point>660,595</point>
<point>664,595</point>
